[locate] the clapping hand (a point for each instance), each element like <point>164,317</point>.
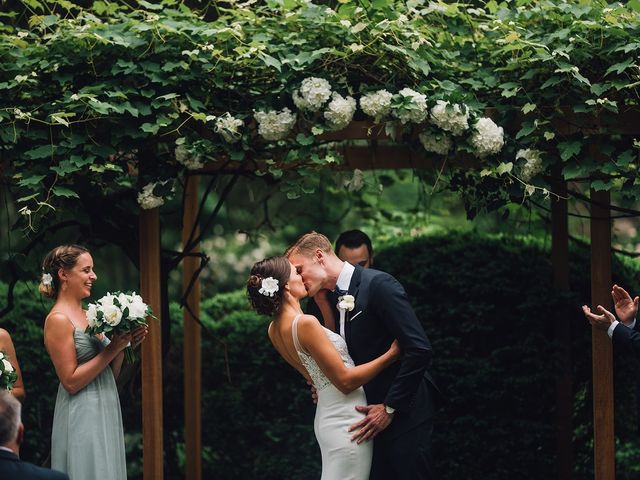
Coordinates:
<point>601,322</point>
<point>626,308</point>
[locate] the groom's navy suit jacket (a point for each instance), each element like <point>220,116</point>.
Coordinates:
<point>627,340</point>
<point>382,314</point>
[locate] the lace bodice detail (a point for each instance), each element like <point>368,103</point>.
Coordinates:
<point>317,376</point>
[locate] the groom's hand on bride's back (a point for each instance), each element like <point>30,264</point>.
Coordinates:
<point>314,392</point>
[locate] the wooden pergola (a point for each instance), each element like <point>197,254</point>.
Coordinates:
<point>377,155</point>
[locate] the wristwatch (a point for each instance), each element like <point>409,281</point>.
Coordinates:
<point>389,410</point>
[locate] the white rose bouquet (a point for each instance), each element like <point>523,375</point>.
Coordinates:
<point>118,313</point>
<point>8,375</point>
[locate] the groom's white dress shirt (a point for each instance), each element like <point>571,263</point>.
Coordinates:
<point>344,280</point>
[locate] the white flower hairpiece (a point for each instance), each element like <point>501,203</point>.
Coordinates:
<point>269,287</point>
<point>47,279</point>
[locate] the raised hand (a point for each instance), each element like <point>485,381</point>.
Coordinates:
<point>625,307</point>
<point>602,321</point>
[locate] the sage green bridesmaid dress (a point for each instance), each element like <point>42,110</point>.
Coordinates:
<point>87,441</point>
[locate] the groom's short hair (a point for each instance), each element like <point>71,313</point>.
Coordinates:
<point>309,243</point>
<point>9,417</point>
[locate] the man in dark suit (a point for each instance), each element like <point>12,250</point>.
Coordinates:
<point>11,434</point>
<point>353,246</point>
<point>401,398</point>
<point>625,333</point>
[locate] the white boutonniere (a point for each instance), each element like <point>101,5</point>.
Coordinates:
<point>346,303</point>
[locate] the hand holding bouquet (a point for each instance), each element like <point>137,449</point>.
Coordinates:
<point>8,375</point>
<point>118,313</point>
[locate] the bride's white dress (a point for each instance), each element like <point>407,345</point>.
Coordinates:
<point>342,459</point>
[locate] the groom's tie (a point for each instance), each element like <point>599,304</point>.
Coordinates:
<point>342,313</point>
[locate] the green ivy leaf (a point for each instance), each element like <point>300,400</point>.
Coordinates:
<point>569,149</point>
<point>599,185</point>
<point>304,140</point>
<point>64,192</point>
<point>504,168</point>
<point>620,67</point>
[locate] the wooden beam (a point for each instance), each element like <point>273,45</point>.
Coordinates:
<point>152,442</point>
<point>192,339</point>
<point>604,451</point>
<point>564,381</point>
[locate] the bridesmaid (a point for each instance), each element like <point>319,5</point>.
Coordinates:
<point>6,346</point>
<point>87,440</point>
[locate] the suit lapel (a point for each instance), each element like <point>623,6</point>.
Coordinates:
<point>354,287</point>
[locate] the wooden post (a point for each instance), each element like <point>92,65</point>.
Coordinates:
<point>604,452</point>
<point>564,381</point>
<point>152,445</point>
<point>192,344</point>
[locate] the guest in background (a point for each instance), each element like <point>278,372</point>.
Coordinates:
<point>11,435</point>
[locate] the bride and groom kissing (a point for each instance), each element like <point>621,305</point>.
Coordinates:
<point>376,399</point>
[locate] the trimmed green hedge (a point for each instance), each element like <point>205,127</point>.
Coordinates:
<point>488,306</point>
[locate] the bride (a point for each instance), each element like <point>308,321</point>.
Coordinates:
<point>320,355</point>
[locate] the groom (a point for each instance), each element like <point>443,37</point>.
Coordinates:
<point>401,398</point>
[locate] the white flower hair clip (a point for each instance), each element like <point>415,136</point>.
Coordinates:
<point>47,279</point>
<point>269,287</point>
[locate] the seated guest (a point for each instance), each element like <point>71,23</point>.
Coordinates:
<point>11,434</point>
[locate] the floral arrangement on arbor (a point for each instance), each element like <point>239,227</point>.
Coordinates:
<point>119,102</point>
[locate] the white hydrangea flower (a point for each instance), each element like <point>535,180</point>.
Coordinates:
<point>454,120</point>
<point>376,104</point>
<point>532,163</point>
<point>340,110</point>
<point>312,94</point>
<point>147,200</point>
<point>440,144</point>
<point>184,157</point>
<point>275,125</point>
<point>228,127</point>
<point>356,182</point>
<point>415,110</point>
<point>487,138</point>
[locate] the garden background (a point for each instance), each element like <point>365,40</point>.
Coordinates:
<point>109,107</point>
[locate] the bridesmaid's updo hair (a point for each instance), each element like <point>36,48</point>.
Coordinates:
<point>275,267</point>
<point>65,257</point>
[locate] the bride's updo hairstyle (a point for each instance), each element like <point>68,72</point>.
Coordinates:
<point>65,257</point>
<point>277,268</point>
